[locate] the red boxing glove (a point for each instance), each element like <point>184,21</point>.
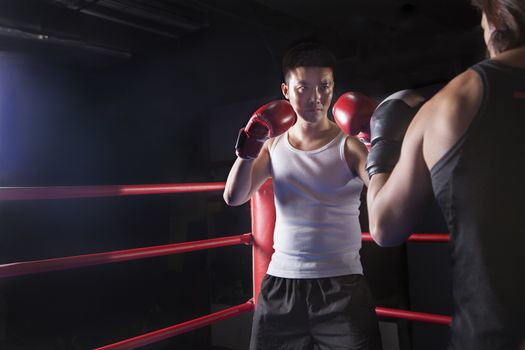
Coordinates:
<point>272,119</point>
<point>352,112</point>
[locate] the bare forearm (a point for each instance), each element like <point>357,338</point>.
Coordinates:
<point>395,206</point>
<point>239,182</point>
<point>374,187</point>
<point>385,220</point>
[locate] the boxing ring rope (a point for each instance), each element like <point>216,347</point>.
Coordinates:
<point>417,237</point>
<point>263,218</point>
<point>77,261</point>
<point>73,262</point>
<point>62,192</point>
<point>165,333</point>
<point>413,315</point>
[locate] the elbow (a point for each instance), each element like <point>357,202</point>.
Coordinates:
<point>383,237</point>
<point>228,199</point>
<point>232,200</point>
<point>383,241</point>
<point>378,235</point>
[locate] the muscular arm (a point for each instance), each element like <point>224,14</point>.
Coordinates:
<point>246,176</point>
<point>395,200</point>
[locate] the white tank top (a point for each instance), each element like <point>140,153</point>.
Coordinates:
<point>317,197</point>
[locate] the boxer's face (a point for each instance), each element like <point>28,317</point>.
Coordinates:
<point>310,91</point>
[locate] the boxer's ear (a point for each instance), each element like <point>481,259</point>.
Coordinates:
<point>284,90</point>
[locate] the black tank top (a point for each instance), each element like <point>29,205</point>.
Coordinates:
<point>480,187</point>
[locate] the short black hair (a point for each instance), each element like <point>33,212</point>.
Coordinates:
<point>307,54</point>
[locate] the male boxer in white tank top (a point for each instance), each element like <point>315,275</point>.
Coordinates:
<point>314,293</point>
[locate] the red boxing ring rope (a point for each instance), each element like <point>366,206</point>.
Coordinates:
<point>71,262</point>
<point>62,192</point>
<point>413,316</point>
<point>417,237</point>
<point>165,333</point>
<point>263,218</point>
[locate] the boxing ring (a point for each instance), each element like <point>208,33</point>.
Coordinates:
<point>261,240</point>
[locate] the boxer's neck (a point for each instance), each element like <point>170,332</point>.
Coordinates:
<point>307,136</point>
<point>514,57</point>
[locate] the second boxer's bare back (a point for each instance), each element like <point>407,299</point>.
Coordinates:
<point>447,116</point>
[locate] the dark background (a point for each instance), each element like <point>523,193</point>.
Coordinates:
<point>144,92</point>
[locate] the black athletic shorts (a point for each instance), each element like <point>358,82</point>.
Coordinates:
<point>329,313</point>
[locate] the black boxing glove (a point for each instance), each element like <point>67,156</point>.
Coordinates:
<point>388,126</point>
